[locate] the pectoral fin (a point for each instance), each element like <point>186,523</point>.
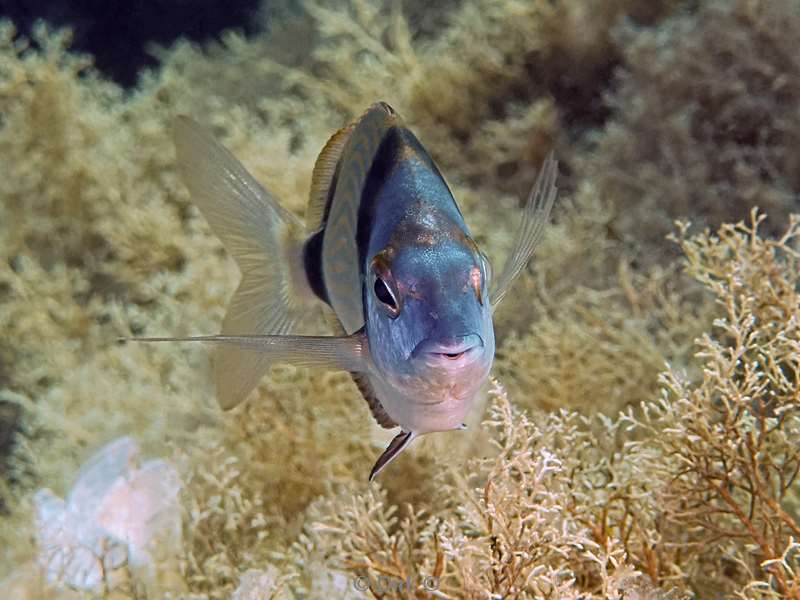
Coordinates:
<point>396,446</point>
<point>534,218</point>
<point>345,353</point>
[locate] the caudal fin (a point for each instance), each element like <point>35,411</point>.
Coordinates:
<point>266,241</point>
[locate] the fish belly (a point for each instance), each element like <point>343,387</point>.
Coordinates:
<point>421,409</point>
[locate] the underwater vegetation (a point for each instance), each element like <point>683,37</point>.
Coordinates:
<point>640,436</point>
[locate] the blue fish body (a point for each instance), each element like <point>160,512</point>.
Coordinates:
<point>384,249</point>
<point>432,357</point>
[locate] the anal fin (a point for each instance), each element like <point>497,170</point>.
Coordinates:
<point>362,381</point>
<point>375,406</point>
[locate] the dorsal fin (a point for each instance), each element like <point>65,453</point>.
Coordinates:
<point>323,177</point>
<point>340,253</point>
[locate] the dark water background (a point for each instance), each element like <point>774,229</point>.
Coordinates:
<point>118,32</point>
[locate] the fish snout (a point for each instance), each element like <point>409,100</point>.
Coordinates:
<point>450,354</point>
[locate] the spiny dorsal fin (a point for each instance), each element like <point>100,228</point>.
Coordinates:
<point>340,252</point>
<point>324,172</point>
<point>323,175</point>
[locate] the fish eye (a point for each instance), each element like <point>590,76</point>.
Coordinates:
<point>385,295</point>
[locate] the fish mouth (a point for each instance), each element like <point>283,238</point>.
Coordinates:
<point>455,352</point>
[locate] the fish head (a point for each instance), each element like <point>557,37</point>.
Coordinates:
<point>428,316</point>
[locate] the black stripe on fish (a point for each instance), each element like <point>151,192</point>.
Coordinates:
<point>312,261</point>
<point>394,148</point>
<point>383,163</point>
<point>312,250</point>
<point>331,192</point>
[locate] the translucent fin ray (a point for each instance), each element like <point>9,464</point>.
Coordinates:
<point>537,210</point>
<point>266,241</point>
<point>328,352</point>
<point>362,382</point>
<point>323,176</point>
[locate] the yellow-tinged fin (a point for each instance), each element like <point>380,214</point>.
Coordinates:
<point>345,353</point>
<point>534,218</point>
<point>322,177</point>
<point>266,241</point>
<point>340,253</point>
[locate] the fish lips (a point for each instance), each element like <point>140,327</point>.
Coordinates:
<point>451,354</point>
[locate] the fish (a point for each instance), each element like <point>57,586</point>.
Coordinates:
<point>384,250</point>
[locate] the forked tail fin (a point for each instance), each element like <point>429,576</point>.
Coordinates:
<point>266,241</point>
